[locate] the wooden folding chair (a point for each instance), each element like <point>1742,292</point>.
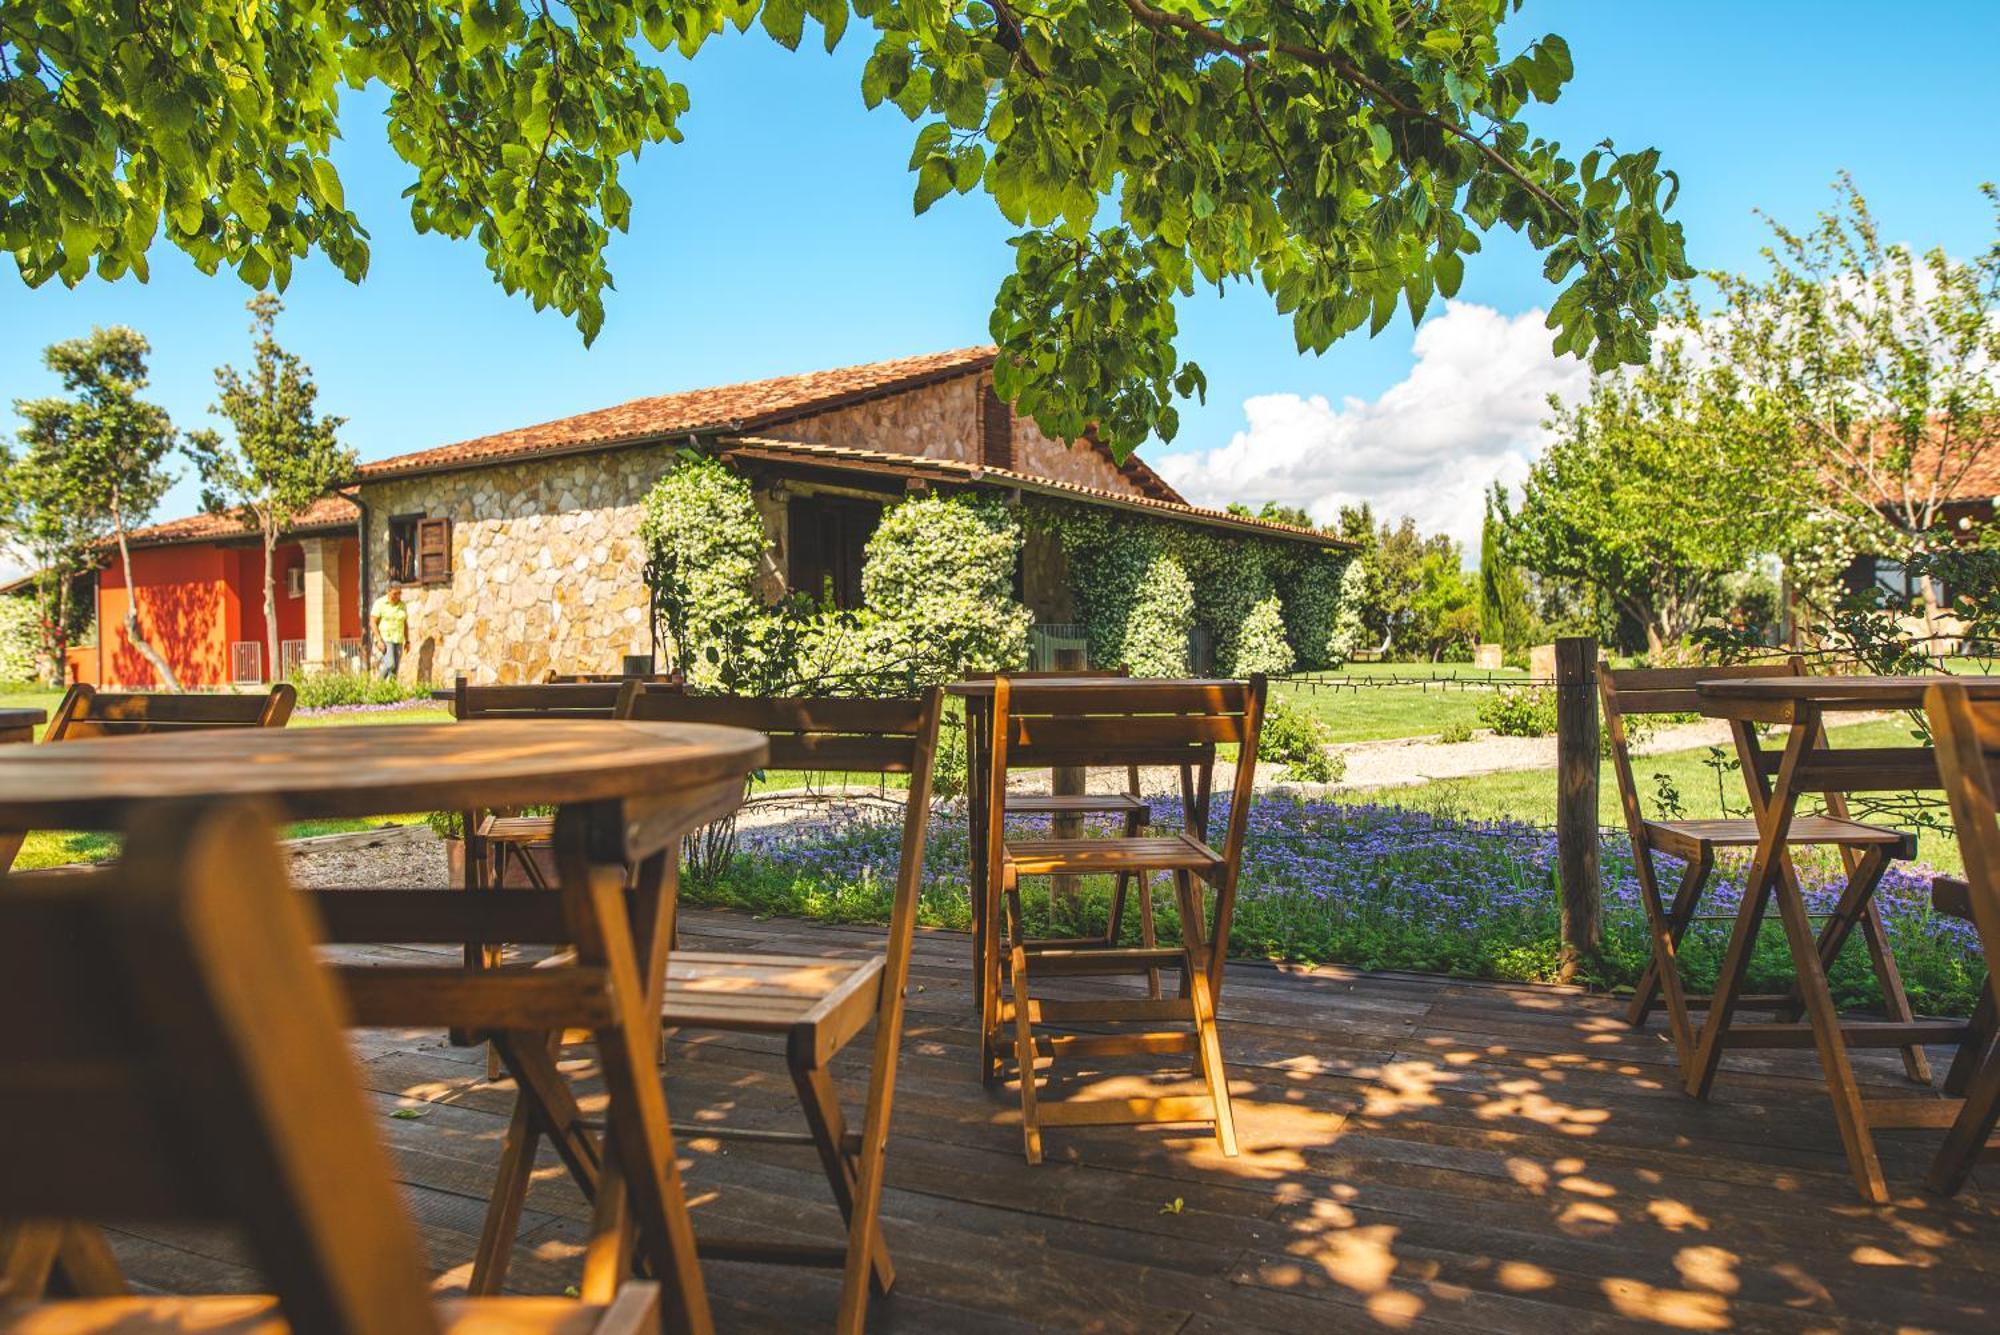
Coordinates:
<point>1967,734</point>
<point>86,712</point>
<point>817,1005</point>
<point>1130,807</point>
<point>171,1049</point>
<point>1101,723</point>
<point>492,838</point>
<point>1865,851</point>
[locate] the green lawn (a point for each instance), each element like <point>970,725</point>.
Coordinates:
<point>1354,709</point>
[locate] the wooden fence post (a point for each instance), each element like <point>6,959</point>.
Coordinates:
<point>1576,799</point>
<point>1067,781</point>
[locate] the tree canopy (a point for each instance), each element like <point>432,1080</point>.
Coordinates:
<point>283,455</point>
<point>94,466</point>
<point>1658,485</point>
<point>1346,154</point>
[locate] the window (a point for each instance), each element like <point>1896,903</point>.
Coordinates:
<point>827,538</point>
<point>419,550</point>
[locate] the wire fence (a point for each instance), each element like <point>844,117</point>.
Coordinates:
<point>1477,680</point>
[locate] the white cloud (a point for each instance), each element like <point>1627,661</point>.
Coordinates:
<point>1468,414</point>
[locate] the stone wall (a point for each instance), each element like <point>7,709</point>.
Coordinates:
<point>547,565</point>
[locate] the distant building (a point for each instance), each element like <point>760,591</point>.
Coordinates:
<point>200,587</point>
<point>520,552</point>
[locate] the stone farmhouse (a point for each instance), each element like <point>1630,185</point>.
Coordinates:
<point>520,554</point>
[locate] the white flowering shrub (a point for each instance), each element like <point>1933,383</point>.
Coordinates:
<point>1261,644</point>
<point>704,540</point>
<point>1159,620</point>
<point>937,585</point>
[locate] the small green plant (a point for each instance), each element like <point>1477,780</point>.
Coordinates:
<point>1454,733</point>
<point>1528,711</point>
<point>333,690</point>
<point>1296,738</point>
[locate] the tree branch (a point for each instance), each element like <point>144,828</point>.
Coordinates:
<point>1158,20</point>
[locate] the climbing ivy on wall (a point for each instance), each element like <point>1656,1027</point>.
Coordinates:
<point>1112,554</point>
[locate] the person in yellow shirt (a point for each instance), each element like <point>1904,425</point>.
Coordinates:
<point>391,621</point>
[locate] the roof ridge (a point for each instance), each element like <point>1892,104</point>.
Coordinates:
<point>734,406</point>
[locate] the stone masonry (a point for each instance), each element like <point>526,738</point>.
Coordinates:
<point>547,565</point>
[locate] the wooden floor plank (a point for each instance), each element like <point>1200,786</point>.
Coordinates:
<point>1418,1153</point>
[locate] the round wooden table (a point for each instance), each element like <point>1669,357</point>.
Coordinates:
<point>625,791</point>
<point>370,769</point>
<point>18,725</point>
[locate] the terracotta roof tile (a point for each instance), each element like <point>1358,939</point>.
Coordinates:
<point>883,461</point>
<point>328,512</point>
<point>745,407</point>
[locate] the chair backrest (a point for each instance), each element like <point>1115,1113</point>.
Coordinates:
<point>171,1049</point>
<point>1126,722</point>
<point>837,736</point>
<point>652,679</point>
<point>86,711</point>
<point>1629,692</point>
<point>571,699</point>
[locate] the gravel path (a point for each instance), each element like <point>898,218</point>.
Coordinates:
<point>1420,759</point>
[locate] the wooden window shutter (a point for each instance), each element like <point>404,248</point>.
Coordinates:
<point>996,430</point>
<point>433,551</point>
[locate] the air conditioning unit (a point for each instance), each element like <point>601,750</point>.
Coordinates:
<point>295,582</point>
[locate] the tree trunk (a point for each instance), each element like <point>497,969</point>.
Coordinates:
<point>161,667</point>
<point>270,601</point>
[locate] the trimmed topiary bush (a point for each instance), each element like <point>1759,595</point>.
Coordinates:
<point>1261,645</point>
<point>704,540</point>
<point>1157,627</point>
<point>938,584</point>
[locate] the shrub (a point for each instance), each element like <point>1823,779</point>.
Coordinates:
<point>20,640</point>
<point>704,540</point>
<point>1297,739</point>
<point>337,690</point>
<point>1322,625</point>
<point>1454,733</point>
<point>1528,711</point>
<point>1162,615</point>
<point>1261,646</point>
<point>938,584</point>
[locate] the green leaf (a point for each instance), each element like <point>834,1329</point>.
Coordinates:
<point>1379,141</point>
<point>933,182</point>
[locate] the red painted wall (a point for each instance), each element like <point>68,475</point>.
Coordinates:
<point>195,601</point>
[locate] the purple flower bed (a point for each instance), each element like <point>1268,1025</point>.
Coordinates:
<point>1371,885</point>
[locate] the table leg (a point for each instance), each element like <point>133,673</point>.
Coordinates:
<point>1774,817</point>
<point>639,1141</point>
<point>975,811</point>
<point>1831,1045</point>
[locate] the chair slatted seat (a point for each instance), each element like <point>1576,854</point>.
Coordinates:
<point>170,1049</point>
<point>86,712</point>
<point>1866,851</point>
<point>1115,723</point>
<point>1968,759</point>
<point>817,1005</point>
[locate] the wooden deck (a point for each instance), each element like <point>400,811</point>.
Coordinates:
<point>1418,1153</point>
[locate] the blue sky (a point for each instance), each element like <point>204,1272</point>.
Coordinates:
<point>779,238</point>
